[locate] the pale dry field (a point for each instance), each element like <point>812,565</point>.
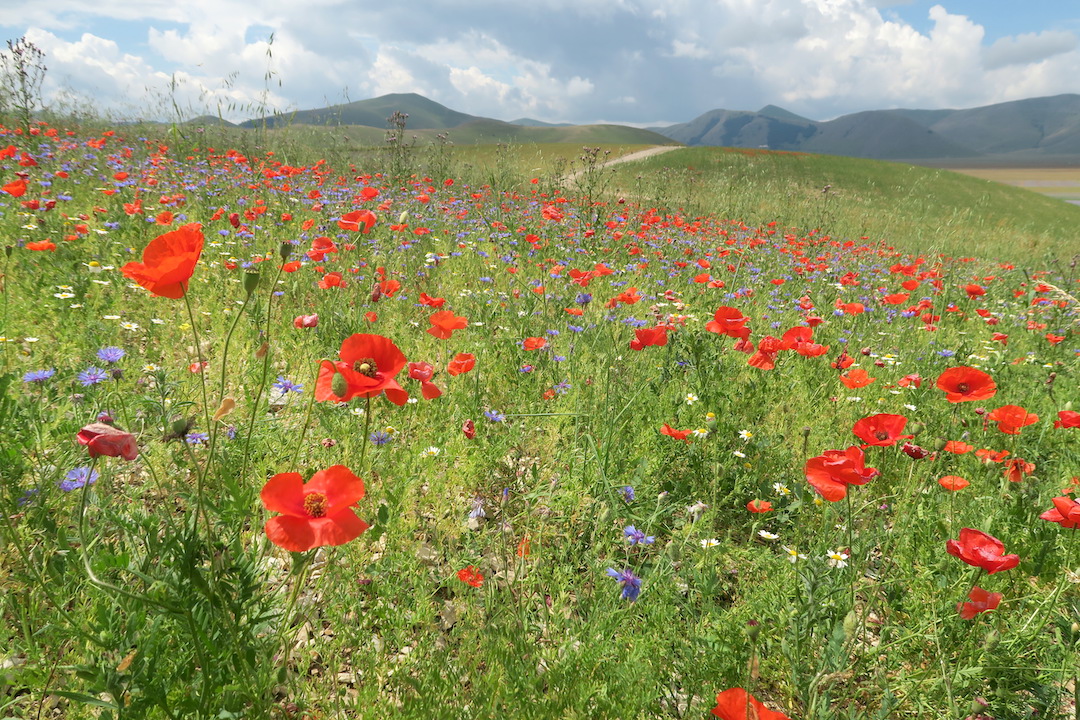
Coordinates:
<point>1063,183</point>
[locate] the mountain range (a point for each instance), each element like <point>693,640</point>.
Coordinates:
<point>1036,128</point>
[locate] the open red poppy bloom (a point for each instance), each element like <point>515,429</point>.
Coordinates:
<point>104,439</point>
<point>979,602</point>
<point>1066,419</point>
<point>882,429</point>
<point>314,514</point>
<point>666,429</point>
<point>1066,513</point>
<point>737,704</point>
<point>759,506</point>
<point>953,482</point>
<point>444,323</point>
<point>461,364</point>
<point>168,262</point>
<point>1017,468</point>
<point>15,188</point>
<point>765,356</point>
<point>966,384</point>
<point>1010,418</point>
<point>729,321</point>
<point>645,337</point>
<point>357,221</point>
<point>857,378</point>
<point>367,367</point>
<point>834,470</point>
<point>980,550</point>
<point>533,343</point>
<point>423,371</point>
<point>471,575</point>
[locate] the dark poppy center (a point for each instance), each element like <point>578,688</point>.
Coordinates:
<point>962,387</point>
<point>881,435</point>
<point>366,366</point>
<point>315,504</point>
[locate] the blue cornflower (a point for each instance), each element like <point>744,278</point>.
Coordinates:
<point>38,376</point>
<point>575,328</point>
<point>92,376</point>
<point>583,298</point>
<point>196,438</point>
<point>628,493</point>
<point>27,497</point>
<point>380,437</point>
<point>110,354</point>
<point>561,388</point>
<point>946,353</point>
<point>78,477</point>
<point>285,386</point>
<point>637,537</point>
<point>477,508</point>
<point>494,416</point>
<point>631,583</point>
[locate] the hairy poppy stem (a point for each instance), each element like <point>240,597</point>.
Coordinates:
<point>262,379</point>
<point>200,473</point>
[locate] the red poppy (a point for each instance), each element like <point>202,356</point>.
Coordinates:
<point>357,221</point>
<point>423,372</point>
<point>533,343</point>
<point>1066,418</point>
<point>320,246</point>
<point>1010,418</point>
<point>759,506</point>
<point>974,291</point>
<point>468,429</point>
<point>729,321</point>
<point>765,356</point>
<point>737,704</point>
<point>332,279</point>
<point>882,429</point>
<point>980,550</point>
<point>444,323</point>
<point>953,482</point>
<point>834,470</point>
<point>857,378</point>
<point>843,361</point>
<point>645,337</point>
<point>796,336</point>
<point>168,262</point>
<point>958,447</point>
<point>461,364</point>
<point>306,321</point>
<point>367,367</point>
<point>1017,468</point>
<point>41,245</point>
<point>979,602</point>
<point>1066,513</point>
<point>104,439</point>
<point>15,188</point>
<point>471,575</point>
<point>666,429</point>
<point>314,514</point>
<point>912,379</point>
<point>966,384</point>
<point>435,302</point>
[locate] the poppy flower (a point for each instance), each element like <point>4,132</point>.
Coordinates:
<point>911,379</point>
<point>103,439</point>
<point>765,356</point>
<point>471,575</point>
<point>966,384</point>
<point>533,343</point>
<point>332,279</point>
<point>834,470</point>
<point>468,429</point>
<point>958,447</point>
<point>367,367</point>
<point>423,372</point>
<point>857,378</point>
<point>980,550</point>
<point>168,262</point>
<point>1017,468</point>
<point>444,323</point>
<point>882,430</point>
<point>316,513</point>
<point>305,321</point>
<point>979,602</point>
<point>461,364</point>
<point>953,482</point>
<point>1010,418</point>
<point>666,429</point>
<point>357,221</point>
<point>1066,418</point>
<point>435,302</point>
<point>1066,513</point>
<point>737,704</point>
<point>42,245</point>
<point>729,321</point>
<point>645,337</point>
<point>759,506</point>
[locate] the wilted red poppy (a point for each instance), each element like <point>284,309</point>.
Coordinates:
<point>533,343</point>
<point>168,262</point>
<point>834,470</point>
<point>314,514</point>
<point>980,550</point>
<point>729,321</point>
<point>645,337</point>
<point>1067,419</point>
<point>367,368</point>
<point>953,482</point>
<point>911,379</point>
<point>979,601</point>
<point>104,439</point>
<point>471,575</point>
<point>882,429</point>
<point>1066,513</point>
<point>444,323</point>
<point>306,321</point>
<point>737,704</point>
<point>468,429</point>
<point>857,378</point>
<point>357,221</point>
<point>1017,468</point>
<point>1010,418</point>
<point>966,384</point>
<point>461,364</point>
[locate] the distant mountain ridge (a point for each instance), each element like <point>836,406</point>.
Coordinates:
<point>1038,128</point>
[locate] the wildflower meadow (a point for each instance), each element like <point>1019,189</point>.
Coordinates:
<point>285,435</point>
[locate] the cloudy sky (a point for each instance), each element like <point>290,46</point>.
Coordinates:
<point>641,62</point>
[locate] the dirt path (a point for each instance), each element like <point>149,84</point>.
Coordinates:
<point>630,157</point>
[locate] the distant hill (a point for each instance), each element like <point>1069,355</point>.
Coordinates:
<point>1036,127</point>
<point>529,122</point>
<point>423,114</point>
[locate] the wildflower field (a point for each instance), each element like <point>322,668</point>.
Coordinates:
<point>308,438</point>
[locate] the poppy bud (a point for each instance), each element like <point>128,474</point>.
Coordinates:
<point>376,293</point>
<point>403,216</point>
<point>916,427</point>
<point>940,444</point>
<point>752,630</point>
<point>865,351</point>
<point>181,427</point>
<point>251,281</point>
<point>990,642</point>
<point>285,251</point>
<point>980,411</point>
<point>8,250</point>
<point>338,385</point>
